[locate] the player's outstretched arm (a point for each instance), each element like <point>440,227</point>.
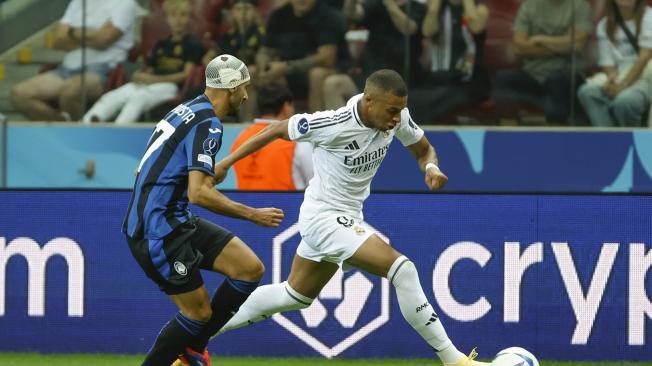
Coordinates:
<point>426,155</point>
<point>270,133</point>
<point>202,193</point>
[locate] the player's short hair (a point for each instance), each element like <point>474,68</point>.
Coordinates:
<point>177,5</point>
<point>226,72</point>
<point>272,96</point>
<point>387,80</point>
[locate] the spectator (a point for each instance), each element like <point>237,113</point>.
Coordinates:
<point>243,36</point>
<point>543,38</point>
<point>389,23</point>
<point>169,65</point>
<point>242,39</point>
<point>108,38</point>
<point>282,165</point>
<point>453,58</point>
<point>304,43</point>
<point>621,95</point>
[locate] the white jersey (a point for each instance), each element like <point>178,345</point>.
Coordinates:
<point>346,154</point>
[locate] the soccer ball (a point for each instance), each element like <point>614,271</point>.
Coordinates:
<point>514,356</point>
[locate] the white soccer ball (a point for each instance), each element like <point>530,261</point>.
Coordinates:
<point>515,356</point>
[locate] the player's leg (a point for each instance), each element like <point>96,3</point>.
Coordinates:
<point>377,257</point>
<point>243,270</point>
<point>174,265</point>
<point>184,329</point>
<point>307,278</point>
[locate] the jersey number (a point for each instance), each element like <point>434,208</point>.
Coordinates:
<point>162,132</point>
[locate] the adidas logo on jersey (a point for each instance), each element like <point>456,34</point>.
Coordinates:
<point>353,146</point>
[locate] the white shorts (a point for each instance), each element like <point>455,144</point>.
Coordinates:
<point>331,236</point>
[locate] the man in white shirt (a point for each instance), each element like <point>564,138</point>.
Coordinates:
<point>349,145</point>
<point>108,36</point>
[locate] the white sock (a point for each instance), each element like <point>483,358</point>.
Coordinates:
<point>418,312</point>
<point>264,302</point>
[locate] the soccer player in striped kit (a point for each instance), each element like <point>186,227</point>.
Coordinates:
<point>169,242</point>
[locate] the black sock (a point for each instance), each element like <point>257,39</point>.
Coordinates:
<point>225,303</point>
<point>173,339</point>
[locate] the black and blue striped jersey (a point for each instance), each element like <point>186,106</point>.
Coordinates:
<point>187,138</point>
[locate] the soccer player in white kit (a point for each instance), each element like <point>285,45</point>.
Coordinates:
<point>349,145</point>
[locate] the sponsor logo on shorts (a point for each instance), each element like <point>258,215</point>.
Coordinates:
<point>180,268</point>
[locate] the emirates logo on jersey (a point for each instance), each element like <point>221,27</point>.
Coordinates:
<point>367,161</point>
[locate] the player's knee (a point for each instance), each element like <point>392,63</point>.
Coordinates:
<point>201,313</point>
<point>253,270</point>
<point>257,270</point>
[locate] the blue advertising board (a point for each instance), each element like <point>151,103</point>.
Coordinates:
<point>565,276</point>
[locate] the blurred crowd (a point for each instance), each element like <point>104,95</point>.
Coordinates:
<point>569,62</point>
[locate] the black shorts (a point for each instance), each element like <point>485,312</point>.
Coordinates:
<point>174,261</point>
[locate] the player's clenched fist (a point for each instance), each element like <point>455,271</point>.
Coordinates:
<point>269,216</point>
<point>435,179</point>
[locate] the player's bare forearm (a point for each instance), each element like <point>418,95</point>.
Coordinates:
<point>424,152</point>
<point>215,201</point>
<point>426,155</point>
<point>202,193</point>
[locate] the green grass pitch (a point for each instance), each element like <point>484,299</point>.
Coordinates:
<point>33,359</point>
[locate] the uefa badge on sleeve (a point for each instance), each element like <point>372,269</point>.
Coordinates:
<point>210,146</point>
<point>303,126</point>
